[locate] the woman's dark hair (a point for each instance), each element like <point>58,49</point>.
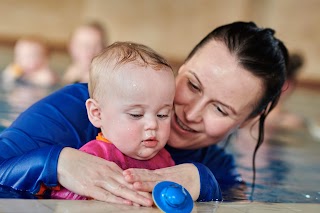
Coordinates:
<point>260,53</point>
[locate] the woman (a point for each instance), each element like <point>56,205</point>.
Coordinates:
<point>233,75</point>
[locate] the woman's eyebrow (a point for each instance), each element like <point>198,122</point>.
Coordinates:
<point>230,108</point>
<point>195,75</point>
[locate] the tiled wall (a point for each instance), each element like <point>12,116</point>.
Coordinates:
<point>171,27</point>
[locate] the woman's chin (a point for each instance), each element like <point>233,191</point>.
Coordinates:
<point>177,142</point>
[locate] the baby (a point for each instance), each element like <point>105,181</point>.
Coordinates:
<point>86,42</point>
<point>30,65</point>
<point>131,92</point>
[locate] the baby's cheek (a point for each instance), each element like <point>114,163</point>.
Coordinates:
<point>165,129</point>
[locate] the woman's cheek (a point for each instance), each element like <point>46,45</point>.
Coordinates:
<point>218,128</point>
<point>182,96</point>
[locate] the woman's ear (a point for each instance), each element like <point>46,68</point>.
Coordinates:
<point>94,112</point>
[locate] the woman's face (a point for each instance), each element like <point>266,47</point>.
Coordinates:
<point>214,97</point>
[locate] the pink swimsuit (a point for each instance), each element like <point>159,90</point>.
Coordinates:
<point>104,149</point>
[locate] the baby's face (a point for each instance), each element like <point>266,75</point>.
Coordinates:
<point>30,56</point>
<point>84,45</point>
<point>137,112</point>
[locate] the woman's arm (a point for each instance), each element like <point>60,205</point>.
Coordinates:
<point>199,171</point>
<point>30,147</point>
<point>96,178</point>
<point>184,174</point>
<point>209,187</point>
<point>196,178</point>
<point>28,172</point>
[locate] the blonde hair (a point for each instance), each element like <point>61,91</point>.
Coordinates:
<point>118,54</point>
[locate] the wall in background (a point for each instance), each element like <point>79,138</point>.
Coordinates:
<point>171,27</point>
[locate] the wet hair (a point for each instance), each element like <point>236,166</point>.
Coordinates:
<point>118,54</point>
<point>261,54</point>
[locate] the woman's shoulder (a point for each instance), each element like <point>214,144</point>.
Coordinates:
<point>79,90</point>
<point>69,99</point>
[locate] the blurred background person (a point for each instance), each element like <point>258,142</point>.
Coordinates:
<point>86,42</point>
<point>30,64</point>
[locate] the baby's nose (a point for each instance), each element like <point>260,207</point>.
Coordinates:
<point>150,133</point>
<point>151,123</point>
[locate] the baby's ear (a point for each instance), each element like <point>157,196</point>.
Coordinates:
<point>94,112</point>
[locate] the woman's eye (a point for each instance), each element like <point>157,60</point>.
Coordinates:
<point>221,111</point>
<point>192,86</point>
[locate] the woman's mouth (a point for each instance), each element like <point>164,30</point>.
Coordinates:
<point>183,126</point>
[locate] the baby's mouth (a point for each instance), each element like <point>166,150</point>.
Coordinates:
<point>150,142</point>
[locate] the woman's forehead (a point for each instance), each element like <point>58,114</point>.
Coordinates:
<point>215,56</point>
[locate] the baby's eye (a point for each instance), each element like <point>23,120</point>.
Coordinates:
<point>163,116</point>
<point>135,116</point>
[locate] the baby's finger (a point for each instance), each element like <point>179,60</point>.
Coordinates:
<point>144,186</point>
<point>141,175</point>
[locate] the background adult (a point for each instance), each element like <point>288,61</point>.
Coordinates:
<point>85,43</point>
<point>30,64</point>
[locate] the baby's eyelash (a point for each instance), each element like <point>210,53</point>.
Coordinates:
<point>135,115</point>
<point>162,116</point>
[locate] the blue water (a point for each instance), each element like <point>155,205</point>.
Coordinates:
<point>288,168</point>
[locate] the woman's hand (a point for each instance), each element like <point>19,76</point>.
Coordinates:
<point>185,174</point>
<point>94,177</point>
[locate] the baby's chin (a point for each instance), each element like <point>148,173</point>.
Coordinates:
<point>145,156</point>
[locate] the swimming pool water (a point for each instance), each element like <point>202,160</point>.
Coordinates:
<point>287,169</point>
<point>288,165</point>
<point>16,99</point>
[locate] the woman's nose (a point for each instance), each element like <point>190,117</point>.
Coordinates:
<point>193,113</point>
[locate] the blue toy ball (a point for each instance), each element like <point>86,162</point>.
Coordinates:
<point>171,197</point>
